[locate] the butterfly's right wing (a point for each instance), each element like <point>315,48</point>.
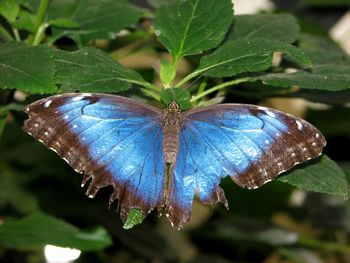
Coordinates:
<point>250,143</point>
<point>113,140</point>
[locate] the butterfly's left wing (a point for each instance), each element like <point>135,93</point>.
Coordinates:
<point>252,144</point>
<point>111,139</point>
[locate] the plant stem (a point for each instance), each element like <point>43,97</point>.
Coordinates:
<point>218,87</point>
<point>7,36</point>
<point>16,34</point>
<point>128,49</point>
<point>324,245</point>
<point>39,21</point>
<point>40,34</point>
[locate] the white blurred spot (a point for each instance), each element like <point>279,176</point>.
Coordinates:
<point>91,196</point>
<point>270,113</point>
<point>340,32</point>
<point>46,133</point>
<point>47,104</point>
<point>317,135</point>
<point>252,7</point>
<point>55,254</point>
<point>78,98</point>
<point>267,141</point>
<point>300,125</point>
<point>297,198</point>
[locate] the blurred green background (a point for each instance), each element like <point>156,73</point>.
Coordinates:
<point>43,194</point>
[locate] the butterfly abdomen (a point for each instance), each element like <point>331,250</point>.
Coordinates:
<point>172,121</point>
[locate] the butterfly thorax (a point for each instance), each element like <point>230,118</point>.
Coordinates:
<point>172,122</point>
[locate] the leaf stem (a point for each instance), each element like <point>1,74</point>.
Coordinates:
<point>218,87</point>
<point>144,84</point>
<point>7,36</point>
<point>39,21</point>
<point>152,94</point>
<point>187,78</point>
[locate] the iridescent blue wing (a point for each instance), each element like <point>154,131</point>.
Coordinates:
<point>113,140</point>
<point>251,144</point>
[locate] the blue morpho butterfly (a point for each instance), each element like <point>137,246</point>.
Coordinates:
<point>156,158</point>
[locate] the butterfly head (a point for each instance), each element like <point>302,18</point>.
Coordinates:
<point>173,107</point>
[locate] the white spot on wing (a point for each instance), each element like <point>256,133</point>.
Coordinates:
<point>47,103</point>
<point>46,133</point>
<point>91,196</point>
<point>36,125</point>
<point>300,125</point>
<point>317,135</point>
<point>270,113</point>
<point>78,98</point>
<point>267,141</point>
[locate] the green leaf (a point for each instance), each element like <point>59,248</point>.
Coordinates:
<point>181,96</point>
<point>134,218</point>
<point>9,9</point>
<point>322,175</point>
<point>167,72</point>
<point>91,70</point>
<point>39,229</point>
<point>247,55</point>
<point>26,68</point>
<point>327,77</point>
<point>64,22</point>
<point>97,19</point>
<point>187,27</point>
<point>281,27</point>
<point>330,69</point>
<point>25,21</point>
<point>40,69</point>
<point>322,50</point>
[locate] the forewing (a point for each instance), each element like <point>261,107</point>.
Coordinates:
<point>252,144</point>
<point>113,140</point>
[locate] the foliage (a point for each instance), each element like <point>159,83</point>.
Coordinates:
<point>52,47</point>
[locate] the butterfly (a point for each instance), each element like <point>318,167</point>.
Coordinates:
<point>161,158</point>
